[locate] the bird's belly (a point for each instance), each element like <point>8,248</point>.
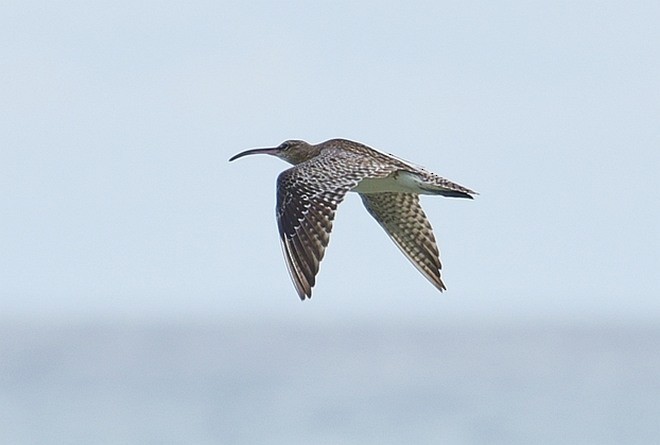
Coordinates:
<point>398,182</point>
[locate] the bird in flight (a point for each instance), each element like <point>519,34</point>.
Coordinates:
<point>309,192</point>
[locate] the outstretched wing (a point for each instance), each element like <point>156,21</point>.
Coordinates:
<point>307,198</point>
<point>405,222</point>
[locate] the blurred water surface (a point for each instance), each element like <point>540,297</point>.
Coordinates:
<point>205,383</point>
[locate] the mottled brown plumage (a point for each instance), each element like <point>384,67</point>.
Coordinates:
<point>308,195</point>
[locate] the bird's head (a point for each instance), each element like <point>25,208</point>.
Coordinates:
<point>293,151</point>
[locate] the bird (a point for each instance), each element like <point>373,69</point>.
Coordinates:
<point>322,174</point>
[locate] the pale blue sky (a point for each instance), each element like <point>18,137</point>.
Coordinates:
<point>117,120</point>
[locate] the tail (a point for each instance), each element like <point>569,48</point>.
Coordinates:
<point>449,189</point>
<point>449,193</point>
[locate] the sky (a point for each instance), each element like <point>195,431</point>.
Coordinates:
<point>117,120</point>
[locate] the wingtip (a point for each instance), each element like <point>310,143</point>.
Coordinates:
<point>304,294</point>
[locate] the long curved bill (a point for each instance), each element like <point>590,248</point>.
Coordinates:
<point>255,151</point>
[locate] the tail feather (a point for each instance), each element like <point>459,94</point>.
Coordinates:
<point>450,193</point>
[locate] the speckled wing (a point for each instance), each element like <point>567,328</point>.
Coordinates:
<point>405,222</point>
<point>307,198</point>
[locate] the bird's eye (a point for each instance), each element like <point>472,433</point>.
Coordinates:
<point>284,145</point>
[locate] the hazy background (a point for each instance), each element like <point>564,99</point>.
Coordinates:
<point>118,119</point>
<point>119,209</point>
